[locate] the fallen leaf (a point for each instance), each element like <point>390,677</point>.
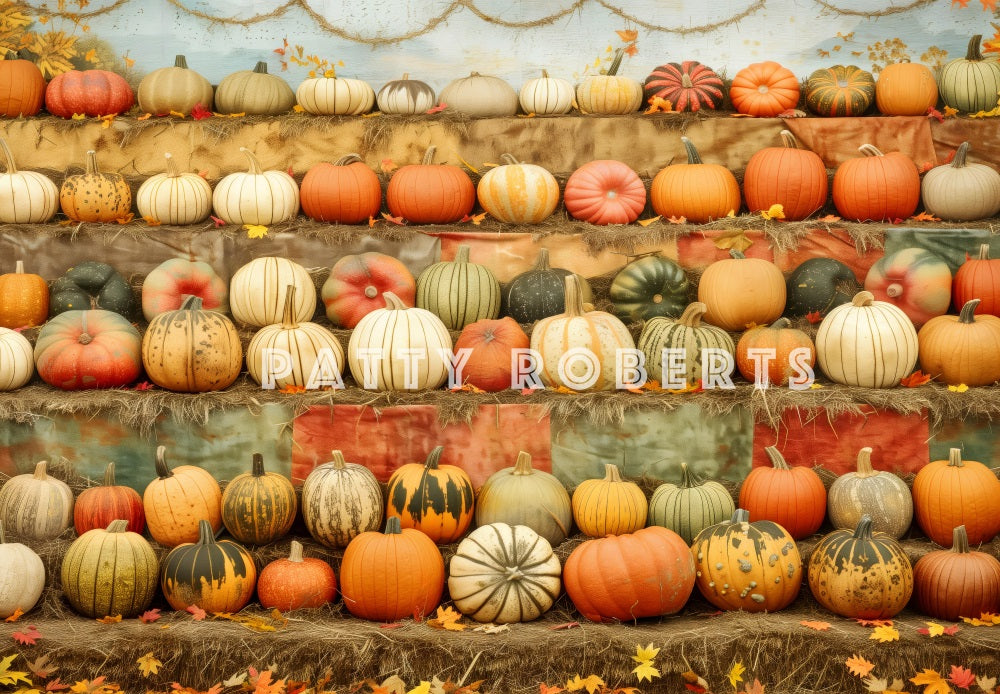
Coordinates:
<point>694,682</point>
<point>915,379</point>
<point>11,677</point>
<point>829,219</point>
<point>657,104</point>
<point>148,664</point>
<point>126,219</point>
<point>151,221</point>
<point>150,616</point>
<point>987,684</point>
<point>177,114</point>
<point>144,385</point>
<point>647,222</point>
<point>79,116</point>
<point>931,681</point>
<point>755,688</point>
<point>145,116</point>
<point>591,684</point>
<point>935,114</point>
<point>960,388</point>
<point>218,221</point>
<point>236,680</point>
<point>818,626</point>
<point>775,211</point>
<point>547,689</point>
<point>447,618</point>
<point>28,637</point>
<point>737,240</point>
<point>858,666</point>
<point>950,112</point>
<point>645,671</point>
<point>423,688</point>
<point>437,109</point>
<point>393,220</point>
<point>645,653</point>
<point>255,231</point>
<point>388,166</point>
<point>952,630</point>
<point>41,668</point>
<point>199,112</point>
<point>492,628</point>
<point>932,629</point>
<point>793,113</point>
<point>15,616</point>
<point>565,625</point>
<point>925,217</point>
<point>884,634</point>
<point>677,220</point>
<point>56,685</point>
<point>196,612</point>
<point>292,389</point>
<point>627,35</point>
<point>814,317</point>
<point>476,219</point>
<point>735,675</point>
<point>467,388</point>
<point>89,686</point>
<point>961,677</point>
<point>110,619</point>
<point>740,115</point>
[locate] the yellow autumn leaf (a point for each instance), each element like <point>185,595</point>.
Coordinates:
<point>298,109</point>
<point>423,688</point>
<point>647,222</point>
<point>591,683</point>
<point>884,634</point>
<point>148,664</point>
<point>775,211</point>
<point>858,666</point>
<point>110,619</point>
<point>91,55</point>
<point>646,671</point>
<point>129,62</point>
<point>932,682</point>
<point>178,114</point>
<point>255,231</point>
<point>934,629</point>
<point>731,213</point>
<point>960,388</point>
<point>737,240</point>
<point>645,653</point>
<point>735,675</point>
<point>11,677</point>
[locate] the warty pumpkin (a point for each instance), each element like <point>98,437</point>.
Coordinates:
<point>259,507</point>
<point>791,496</point>
<point>691,506</point>
<point>882,496</point>
<point>953,492</point>
<point>688,86</point>
<point>26,197</point>
<point>91,284</point>
<point>436,499</point>
<point>356,285</point>
<point>95,196</point>
<point>694,190</point>
<point>546,96</point>
<point>174,197</point>
<point>22,86</point>
<point>970,84</point>
<point>429,193</point>
<point>604,191</point>
<point>739,291</point>
<point>178,500</point>
<point>905,89</point>
<point>783,346</point>
<point>257,196</point>
<point>876,187</point>
<point>96,507</point>
<point>961,349</point>
<point>840,91</point>
<point>518,193</point>
<point>88,92</point>
<point>35,506</point>
<point>254,92</point>
<point>341,500</point>
<point>296,582</point>
<point>789,176</point>
<point>335,96</point>
<point>491,345</point>
<point>764,89</point>
<point>961,191</point>
<point>22,577</point>
<point>257,291</point>
<point>405,97</point>
<point>215,576</point>
<point>539,292</point>
<point>80,350</point>
<point>958,582</point>
<point>688,333</point>
<point>978,278</point>
<point>17,360</point>
<point>344,192</point>
<point>177,88</point>
<point>166,286</point>
<point>649,287</point>
<point>480,96</point>
<point>458,291</point>
<point>609,506</point>
<point>24,298</point>
<point>915,280</point>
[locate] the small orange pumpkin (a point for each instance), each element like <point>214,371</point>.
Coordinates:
<point>697,191</point>
<point>24,298</point>
<point>764,89</point>
<point>94,196</point>
<point>429,193</point>
<point>782,340</point>
<point>739,291</point>
<point>792,496</point>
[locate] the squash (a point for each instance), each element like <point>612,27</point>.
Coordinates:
<point>860,574</point>
<point>518,193</point>
<point>178,89</point>
<point>788,176</point>
<point>876,187</point>
<point>978,278</point>
<point>429,193</point>
<point>88,93</point>
<point>694,190</point>
<point>609,93</point>
<point>344,192</point>
<point>691,506</point>
<point>356,284</point>
<point>341,500</point>
<point>95,196</point>
<point>405,97</point>
<point>178,500</point>
<point>651,286</point>
<point>915,280</point>
<point>490,345</point>
<point>609,506</point>
<point>91,284</point>
<point>257,196</point>
<point>604,191</point>
<point>791,496</point>
<point>970,84</point>
<point>689,334</point>
<point>961,191</point>
<point>165,287</point>
<point>24,298</point>
<point>259,507</point>
<point>17,360</point>
<point>174,197</point>
<point>480,96</point>
<point>215,576</point>
<point>540,292</point>
<point>739,291</point>
<point>22,577</point>
<point>436,499</point>
<point>764,89</point>
<point>546,96</point>
<point>688,86</point>
<point>840,91</point>
<point>961,349</point>
<point>787,352</point>
<point>953,492</point>
<point>958,582</point>
<point>110,572</point>
<point>296,582</point>
<point>22,86</point>
<point>254,92</point>
<point>883,496</point>
<point>80,350</point>
<point>335,96</point>
<point>257,291</point>
<point>35,506</point>
<point>26,197</point>
<point>96,507</point>
<point>459,292</point>
<point>905,89</point>
<point>817,285</point>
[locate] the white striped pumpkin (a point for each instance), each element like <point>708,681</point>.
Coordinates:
<point>341,500</point>
<point>26,197</point>
<point>22,577</point>
<point>391,330</point>
<point>518,193</point>
<point>305,343</point>
<point>257,291</point>
<point>691,506</point>
<point>405,97</point>
<point>879,494</point>
<point>35,506</point>
<point>504,573</point>
<point>257,196</point>
<point>174,197</point>
<point>546,96</point>
<point>459,292</point>
<point>687,333</point>
<point>866,343</point>
<point>17,359</point>
<point>335,96</point>
<point>595,332</point>
<point>609,95</point>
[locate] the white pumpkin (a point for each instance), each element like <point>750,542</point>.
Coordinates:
<point>504,573</point>
<point>256,197</point>
<point>304,343</point>
<point>405,97</point>
<point>866,343</point>
<point>335,96</point>
<point>518,193</point>
<point>384,334</point>
<point>35,506</point>
<point>546,96</point>
<point>341,500</point>
<point>22,577</point>
<point>257,291</point>
<point>26,197</point>
<point>480,96</point>
<point>960,191</point>
<point>174,197</point>
<point>17,359</point>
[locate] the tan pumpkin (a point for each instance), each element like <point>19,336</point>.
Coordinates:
<point>961,191</point>
<point>739,291</point>
<point>178,89</point>
<point>95,196</point>
<point>17,360</point>
<point>335,96</point>
<point>610,93</point>
<point>518,193</point>
<point>35,506</point>
<point>254,92</point>
<point>257,196</point>
<point>178,499</point>
<point>341,500</point>
<point>480,96</point>
<point>257,291</point>
<point>546,96</point>
<point>609,506</point>
<point>26,197</point>
<point>174,197</point>
<point>881,495</point>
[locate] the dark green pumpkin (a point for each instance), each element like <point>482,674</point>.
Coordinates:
<point>259,507</point>
<point>649,287</point>
<point>91,284</point>
<point>840,91</point>
<point>215,576</point>
<point>819,284</point>
<point>540,292</point>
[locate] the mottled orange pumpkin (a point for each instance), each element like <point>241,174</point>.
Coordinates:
<point>433,498</point>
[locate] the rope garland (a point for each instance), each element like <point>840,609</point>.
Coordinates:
<point>73,15</point>
<point>869,14</point>
<point>701,29</point>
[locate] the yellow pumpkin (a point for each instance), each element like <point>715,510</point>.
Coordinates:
<point>609,506</point>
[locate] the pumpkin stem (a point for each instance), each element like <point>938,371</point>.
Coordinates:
<point>348,159</point>
<point>509,158</point>
<point>974,53</point>
<point>434,458</point>
<point>740,515</point>
<point>691,318</point>
<point>781,324</point>
<point>863,531</point>
<point>206,536</point>
<point>686,81</point>
<point>85,338</point>
<point>863,299</point>
<point>736,254</point>
<point>955,458</point>
<point>462,254</point>
<point>692,153</point>
<point>117,526</point>
<point>429,154</point>
<point>257,466</point>
<point>616,63</point>
<point>960,156</point>
<point>295,553</point>
<point>288,321</point>
<point>181,61</point>
<point>191,302</point>
<point>393,526</point>
<point>8,156</point>
<point>611,473</point>
<point>895,289</point>
<point>172,170</point>
<point>778,461</point>
<point>40,470</point>
<point>864,466</point>
<point>254,164</point>
<point>968,313</point>
<point>542,262</point>
<point>870,151</point>
<point>545,73</point>
<point>689,479</point>
<point>984,252</point>
<point>959,540</point>
<point>393,302</point>
<point>92,162</point>
<point>788,139</point>
<point>109,475</point>
<point>260,68</point>
<point>522,466</point>
<point>513,573</point>
<point>162,469</point>
<point>574,297</point>
<point>19,267</point>
<point>338,460</point>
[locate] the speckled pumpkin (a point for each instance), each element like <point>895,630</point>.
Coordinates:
<point>94,196</point>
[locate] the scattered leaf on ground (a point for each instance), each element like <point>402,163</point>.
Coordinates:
<point>28,637</point>
<point>884,634</point>
<point>735,675</point>
<point>858,666</point>
<point>196,612</point>
<point>150,616</point>
<point>932,682</point>
<point>818,626</point>
<point>148,664</point>
<point>961,677</point>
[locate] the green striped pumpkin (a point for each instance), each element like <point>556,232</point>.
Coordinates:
<point>109,572</point>
<point>459,292</point>
<point>341,500</point>
<point>259,507</point>
<point>649,287</point>
<point>840,91</point>
<point>215,576</point>
<point>691,506</point>
<point>686,332</point>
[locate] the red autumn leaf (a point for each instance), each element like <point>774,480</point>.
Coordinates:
<point>952,630</point>
<point>631,50</point>
<point>290,172</point>
<point>196,612</point>
<point>392,625</point>
<point>950,158</point>
<point>814,317</point>
<point>150,616</point>
<point>897,220</point>
<point>917,378</point>
<point>934,113</point>
<point>393,220</point>
<point>961,677</point>
<point>199,112</point>
<point>546,689</point>
<point>694,688</point>
<point>143,385</point>
<point>28,637</point>
<point>818,626</point>
<point>56,686</point>
<point>218,222</point>
<point>925,167</point>
<point>437,109</point>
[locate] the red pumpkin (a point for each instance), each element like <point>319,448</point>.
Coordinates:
<point>88,92</point>
<point>96,507</point>
<point>78,350</point>
<point>356,284</point>
<point>788,176</point>
<point>22,87</point>
<point>605,191</point>
<point>953,583</point>
<point>688,86</point>
<point>791,496</point>
<point>169,282</point>
<point>764,89</point>
<point>915,280</point>
<point>781,340</point>
<point>429,193</point>
<point>491,343</point>
<point>344,192</point>
<point>296,582</point>
<point>876,187</point>
<point>978,278</point>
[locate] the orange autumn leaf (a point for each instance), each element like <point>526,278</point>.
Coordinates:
<point>110,619</point>
<point>932,682</point>
<point>627,35</point>
<point>564,389</point>
<point>818,626</point>
<point>858,666</point>
<point>15,616</point>
<point>950,112</point>
<point>961,677</point>
<point>657,104</point>
<point>917,378</point>
<point>437,109</point>
<point>546,689</point>
<point>829,219</point>
<point>740,115</point>
<point>467,388</point>
<point>393,220</point>
<point>196,612</point>
<point>292,389</point>
<point>647,222</point>
<point>372,222</point>
<point>151,221</point>
<point>145,116</point>
<point>126,219</point>
<point>925,217</point>
<point>447,618</point>
<point>677,220</point>
<point>874,622</point>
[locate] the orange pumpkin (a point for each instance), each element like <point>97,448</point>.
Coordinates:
<point>792,496</point>
<point>429,193</point>
<point>978,278</point>
<point>491,343</point>
<point>94,196</point>
<point>344,192</point>
<point>22,87</point>
<point>906,89</point>
<point>739,291</point>
<point>296,582</point>
<point>604,191</point>
<point>876,187</point>
<point>699,192</point>
<point>788,176</point>
<point>433,498</point>
<point>953,492</point>
<point>782,340</point>
<point>953,583</point>
<point>24,298</point>
<point>178,499</point>
<point>764,89</point>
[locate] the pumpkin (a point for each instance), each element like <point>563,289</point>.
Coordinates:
<point>259,507</point>
<point>578,348</point>
<point>88,92</point>
<point>174,197</point>
<point>17,360</point>
<point>518,193</point>
<point>860,574</point>
<point>696,191</point>
<point>178,500</point>
<point>978,278</point>
<point>341,500</point>
<point>94,196</point>
<point>788,176</point>
<point>480,96</point>
<point>546,96</point>
<point>257,196</point>
<point>915,280</point>
<point>405,97</point>
<point>609,93</point>
<point>26,197</point>
<point>783,352</point>
<point>739,291</point>
<point>92,285</point>
<point>961,191</point>
<point>764,89</point>
<point>386,577</point>
<point>254,92</point>
<point>291,353</point>
<point>429,193</point>
<point>215,576</point>
<point>953,492</point>
<point>609,506</point>
<point>817,285</point>
<point>22,86</point>
<point>840,91</point>
<point>165,287</point>
<point>22,577</point>
<point>35,506</point>
<point>257,291</point>
<point>688,86</point>
<point>459,292</point>
<point>970,84</point>
<point>191,350</point>
<point>24,298</point>
<point>502,574</point>
<point>335,96</point>
<point>881,495</point>
<point>296,582</point>
<point>96,507</point>
<point>649,287</point>
<point>604,191</point>
<point>523,496</point>
<point>386,341</point>
<point>491,346</point>
<point>435,499</point>
<point>691,506</point>
<point>905,89</point>
<point>958,582</point>
<point>792,496</point>
<point>750,566</point>
<point>876,187</point>
<point>178,89</point>
<point>686,333</point>
<point>356,284</point>
<point>110,572</point>
<point>961,349</point>
<point>344,192</point>
<point>80,350</point>
<point>540,292</point>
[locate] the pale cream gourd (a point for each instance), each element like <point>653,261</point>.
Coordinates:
<point>254,92</point>
<point>961,191</point>
<point>518,193</point>
<point>257,196</point>
<point>546,96</point>
<point>881,495</point>
<point>405,97</point>
<point>35,506</point>
<point>22,577</point>
<point>26,197</point>
<point>335,96</point>
<point>257,291</point>
<point>480,96</point>
<point>174,197</point>
<point>17,359</point>
<point>176,88</point>
<point>341,500</point>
